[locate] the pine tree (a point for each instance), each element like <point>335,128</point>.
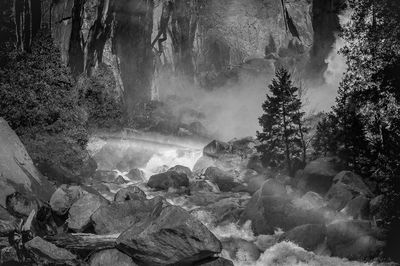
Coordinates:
<point>282,138</point>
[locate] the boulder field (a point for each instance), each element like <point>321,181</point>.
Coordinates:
<point>185,217</point>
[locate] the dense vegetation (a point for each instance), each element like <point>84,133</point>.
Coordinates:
<point>282,139</point>
<point>42,103</point>
<point>363,128</point>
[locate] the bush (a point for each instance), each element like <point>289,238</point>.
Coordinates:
<point>38,99</point>
<point>98,98</point>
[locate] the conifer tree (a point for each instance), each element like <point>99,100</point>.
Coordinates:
<point>282,137</point>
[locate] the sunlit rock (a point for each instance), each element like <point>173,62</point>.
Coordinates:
<point>173,236</point>
<point>63,198</point>
<point>45,253</point>
<point>119,216</point>
<point>81,211</point>
<point>17,171</point>
<point>354,182</point>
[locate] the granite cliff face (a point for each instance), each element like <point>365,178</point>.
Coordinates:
<point>145,42</point>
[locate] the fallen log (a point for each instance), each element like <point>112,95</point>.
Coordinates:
<point>83,242</point>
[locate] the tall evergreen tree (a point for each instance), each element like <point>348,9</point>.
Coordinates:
<point>368,105</point>
<point>282,138</point>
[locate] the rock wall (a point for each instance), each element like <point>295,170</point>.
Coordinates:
<point>147,42</point>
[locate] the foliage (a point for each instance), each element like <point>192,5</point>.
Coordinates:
<point>366,117</point>
<point>38,100</point>
<point>97,97</point>
<point>282,139</point>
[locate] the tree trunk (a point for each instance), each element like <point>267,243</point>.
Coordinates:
<point>82,242</point>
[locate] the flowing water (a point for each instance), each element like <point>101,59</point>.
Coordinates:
<point>156,154</point>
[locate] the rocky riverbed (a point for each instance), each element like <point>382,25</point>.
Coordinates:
<point>162,201</point>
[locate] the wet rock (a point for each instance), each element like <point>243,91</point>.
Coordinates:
<point>129,193</point>
<point>182,170</point>
<point>136,175</point>
<point>173,236</point>
<point>8,255</point>
<point>317,176</point>
<point>17,171</point>
<point>63,198</point>
<point>353,239</point>
<point>216,148</point>
<point>169,179</point>
<point>120,180</point>
<point>105,176</point>
<point>203,186</point>
<point>357,208</point>
<point>111,257</point>
<point>215,262</point>
<point>21,205</point>
<point>202,164</point>
<point>81,211</point>
<point>267,213</point>
<point>46,253</point>
<point>241,249</point>
<point>338,196</point>
<point>224,180</point>
<point>354,183</point>
<point>119,216</point>
<point>310,200</point>
<point>307,236</point>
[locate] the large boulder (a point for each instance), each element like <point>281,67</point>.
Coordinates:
<point>357,208</point>
<point>354,182</point>
<point>310,200</point>
<point>173,236</point>
<point>318,175</point>
<point>272,211</point>
<point>17,171</point>
<point>346,187</point>
<point>169,179</point>
<point>353,239</point>
<point>338,196</point>
<point>180,169</point>
<point>136,175</point>
<point>63,198</point>
<point>224,180</point>
<point>81,211</point>
<point>308,236</point>
<point>202,164</point>
<point>217,148</point>
<point>119,216</point>
<point>109,257</point>
<point>45,253</point>
<point>129,193</point>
